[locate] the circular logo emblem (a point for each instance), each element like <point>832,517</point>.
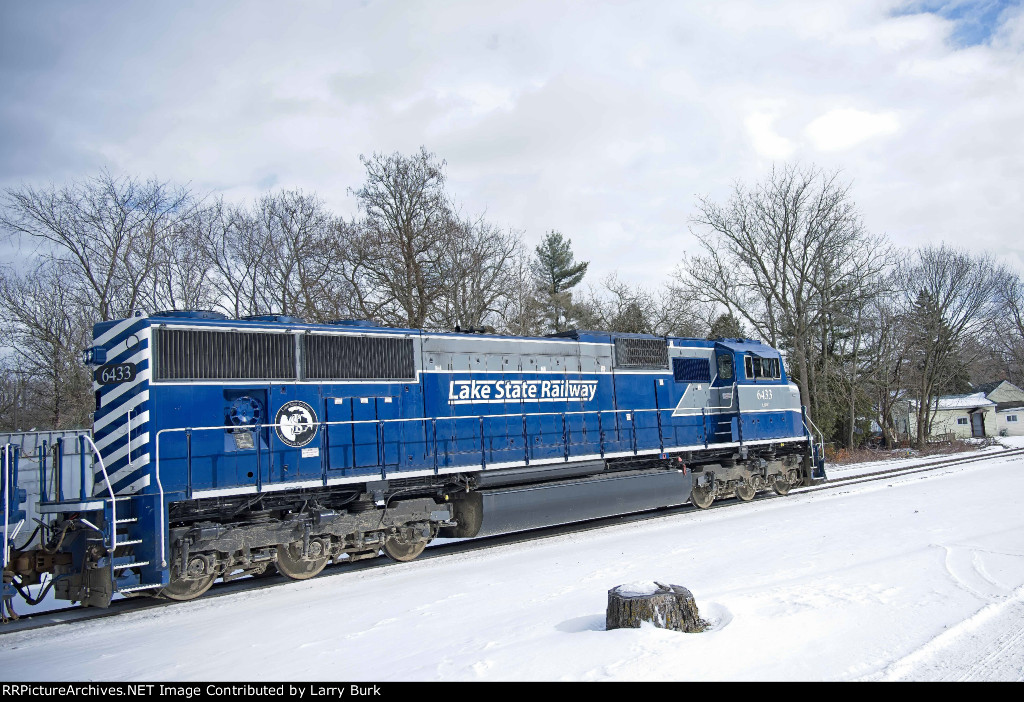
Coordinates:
<point>296,423</point>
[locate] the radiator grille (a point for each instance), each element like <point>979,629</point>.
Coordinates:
<point>185,354</point>
<point>337,357</point>
<point>641,353</point>
<point>691,370</point>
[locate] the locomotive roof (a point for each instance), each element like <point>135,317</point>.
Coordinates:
<point>202,318</point>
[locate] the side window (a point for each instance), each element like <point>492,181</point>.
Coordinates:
<point>761,367</point>
<point>725,366</point>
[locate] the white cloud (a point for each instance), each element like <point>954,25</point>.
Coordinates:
<point>601,119</point>
<point>844,128</point>
<point>760,128</point>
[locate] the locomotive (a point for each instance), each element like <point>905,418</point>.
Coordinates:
<point>226,448</point>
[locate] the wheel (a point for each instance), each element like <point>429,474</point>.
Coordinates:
<point>402,549</point>
<point>781,486</point>
<point>745,491</point>
<point>182,589</point>
<point>701,497</point>
<point>291,564</point>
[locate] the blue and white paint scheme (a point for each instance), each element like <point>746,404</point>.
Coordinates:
<point>221,446</point>
<point>470,401</point>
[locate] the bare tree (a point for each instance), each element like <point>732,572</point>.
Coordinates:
<point>109,228</point>
<point>304,276</point>
<point>47,329</point>
<point>185,275</point>
<point>522,313</point>
<point>286,254</point>
<point>1007,339</point>
<point>478,268</point>
<point>949,297</point>
<point>885,361</point>
<point>237,248</point>
<point>790,257</point>
<point>399,242</point>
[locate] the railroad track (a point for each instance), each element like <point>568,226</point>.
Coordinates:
<point>71,615</point>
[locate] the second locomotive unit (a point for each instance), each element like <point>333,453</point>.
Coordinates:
<point>223,448</point>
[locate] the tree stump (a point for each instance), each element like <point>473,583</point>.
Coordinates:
<point>664,606</point>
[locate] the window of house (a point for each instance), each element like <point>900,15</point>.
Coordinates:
<point>1011,418</point>
<point>961,420</point>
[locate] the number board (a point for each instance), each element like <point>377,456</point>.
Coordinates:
<point>115,373</point>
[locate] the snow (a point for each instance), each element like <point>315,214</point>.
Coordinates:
<point>950,402</point>
<point>918,577</point>
<point>639,589</point>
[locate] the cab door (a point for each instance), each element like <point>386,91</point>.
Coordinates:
<point>724,407</point>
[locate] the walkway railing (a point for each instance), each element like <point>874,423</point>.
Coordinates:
<point>11,497</point>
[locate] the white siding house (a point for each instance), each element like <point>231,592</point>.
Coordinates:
<point>960,416</point>
<point>1009,399</point>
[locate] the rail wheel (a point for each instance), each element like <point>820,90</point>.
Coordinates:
<point>191,587</point>
<point>701,497</point>
<point>781,486</point>
<point>745,491</point>
<point>291,564</point>
<point>403,549</point>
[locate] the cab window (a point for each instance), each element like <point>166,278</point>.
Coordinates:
<point>725,367</point>
<point>761,367</point>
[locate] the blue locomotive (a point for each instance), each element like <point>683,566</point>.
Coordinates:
<point>223,448</point>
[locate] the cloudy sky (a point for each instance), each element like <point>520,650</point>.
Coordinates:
<point>604,120</point>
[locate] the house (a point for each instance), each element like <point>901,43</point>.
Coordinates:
<point>993,409</point>
<point>959,416</point>
<point>1009,413</point>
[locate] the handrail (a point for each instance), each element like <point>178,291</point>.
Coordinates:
<point>8,494</point>
<point>821,437</point>
<point>733,400</point>
<point>7,499</point>
<point>113,497</point>
<point>524,415</point>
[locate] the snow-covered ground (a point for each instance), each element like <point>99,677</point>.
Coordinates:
<point>919,577</point>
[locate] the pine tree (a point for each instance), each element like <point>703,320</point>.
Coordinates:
<point>727,326</point>
<point>556,273</point>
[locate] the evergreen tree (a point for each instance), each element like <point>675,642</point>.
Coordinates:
<point>631,319</point>
<point>556,273</point>
<point>727,326</point>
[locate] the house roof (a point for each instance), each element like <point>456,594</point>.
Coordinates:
<point>971,401</point>
<point>1010,406</point>
<point>961,402</point>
